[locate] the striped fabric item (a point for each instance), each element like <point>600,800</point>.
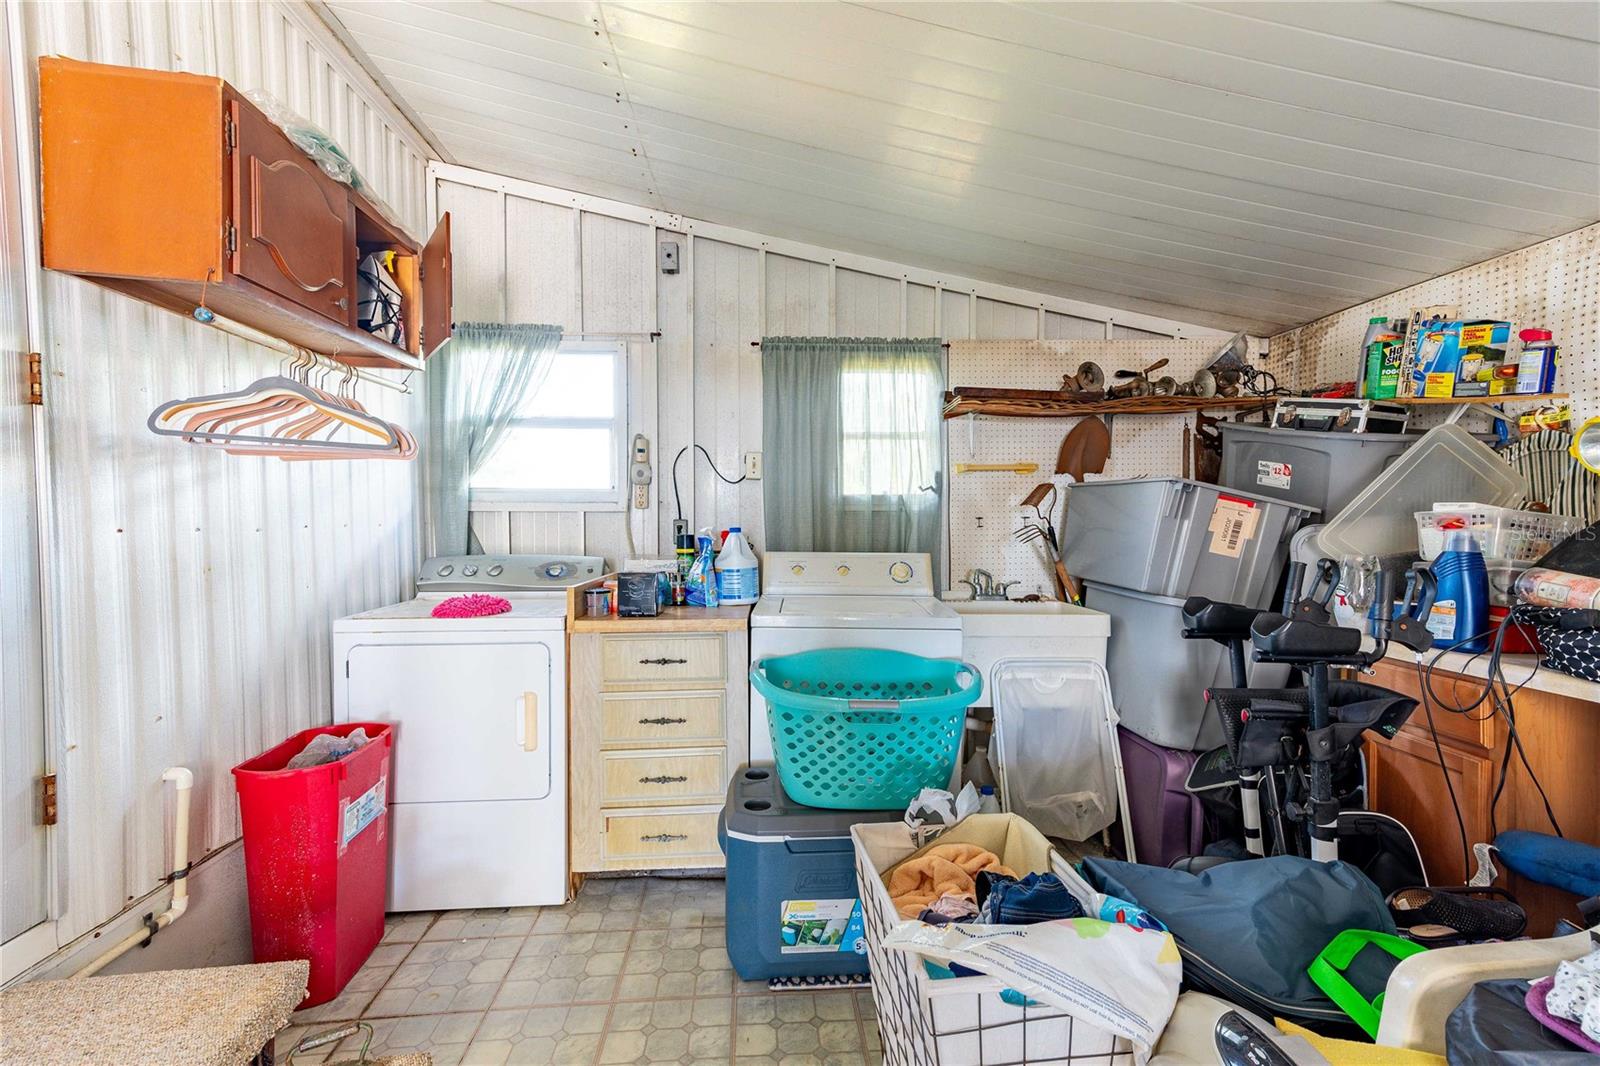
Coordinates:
<point>1555,478</point>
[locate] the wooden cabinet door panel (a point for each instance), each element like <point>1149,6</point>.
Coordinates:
<point>294,233</point>
<point>1405,782</point>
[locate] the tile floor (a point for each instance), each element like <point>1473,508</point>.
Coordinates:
<point>632,971</point>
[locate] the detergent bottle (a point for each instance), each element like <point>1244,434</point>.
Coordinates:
<point>738,573</point>
<point>1459,620</point>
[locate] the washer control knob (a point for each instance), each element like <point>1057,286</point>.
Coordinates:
<point>496,570</point>
<point>900,572</point>
<point>469,571</point>
<point>446,570</point>
<point>842,570</point>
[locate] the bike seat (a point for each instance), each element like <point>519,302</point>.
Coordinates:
<point>1296,639</point>
<point>1209,620</point>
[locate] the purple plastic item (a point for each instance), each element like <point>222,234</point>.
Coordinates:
<point>1168,822</point>
<point>1560,1026</point>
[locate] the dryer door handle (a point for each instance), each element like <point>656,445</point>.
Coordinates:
<point>528,721</point>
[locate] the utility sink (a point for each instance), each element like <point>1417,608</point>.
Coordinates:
<point>992,630</point>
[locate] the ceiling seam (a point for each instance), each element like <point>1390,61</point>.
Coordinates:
<point>604,33</point>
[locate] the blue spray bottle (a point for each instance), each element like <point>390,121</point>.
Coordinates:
<point>1459,619</point>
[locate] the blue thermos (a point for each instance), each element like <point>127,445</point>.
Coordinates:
<point>1459,620</point>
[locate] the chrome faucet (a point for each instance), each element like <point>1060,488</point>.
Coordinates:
<point>984,587</point>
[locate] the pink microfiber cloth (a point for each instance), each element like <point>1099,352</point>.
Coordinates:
<point>475,605</point>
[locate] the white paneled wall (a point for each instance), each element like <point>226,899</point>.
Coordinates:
<point>191,591</point>
<point>527,252</point>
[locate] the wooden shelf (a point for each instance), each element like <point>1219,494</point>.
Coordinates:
<point>1047,404</point>
<point>1457,401</point>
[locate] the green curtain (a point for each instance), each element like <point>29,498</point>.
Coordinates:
<point>850,428</point>
<point>475,387</point>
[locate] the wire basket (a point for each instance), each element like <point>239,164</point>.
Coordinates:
<point>1518,537</point>
<point>864,728</point>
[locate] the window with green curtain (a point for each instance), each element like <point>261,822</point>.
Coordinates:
<point>850,432</point>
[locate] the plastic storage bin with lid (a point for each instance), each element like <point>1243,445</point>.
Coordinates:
<point>1175,537</point>
<point>793,909</point>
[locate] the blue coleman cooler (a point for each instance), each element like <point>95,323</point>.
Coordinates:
<point>793,910</point>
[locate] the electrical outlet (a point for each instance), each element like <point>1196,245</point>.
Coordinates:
<point>752,465</point>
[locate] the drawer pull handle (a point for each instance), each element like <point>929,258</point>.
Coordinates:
<point>663,721</point>
<point>663,661</point>
<point>663,838</point>
<point>664,779</point>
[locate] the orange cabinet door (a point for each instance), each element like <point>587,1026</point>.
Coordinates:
<point>295,233</point>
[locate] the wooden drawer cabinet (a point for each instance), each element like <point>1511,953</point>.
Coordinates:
<point>646,660</point>
<point>175,189</point>
<point>654,719</point>
<point>659,723</point>
<point>633,777</point>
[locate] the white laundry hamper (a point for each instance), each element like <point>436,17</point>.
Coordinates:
<point>963,1021</point>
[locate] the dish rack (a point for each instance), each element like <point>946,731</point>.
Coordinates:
<point>1515,538</point>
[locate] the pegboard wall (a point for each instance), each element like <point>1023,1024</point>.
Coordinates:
<point>1553,285</point>
<point>985,507</point>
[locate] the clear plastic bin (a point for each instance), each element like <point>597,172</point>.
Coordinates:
<point>1447,463</point>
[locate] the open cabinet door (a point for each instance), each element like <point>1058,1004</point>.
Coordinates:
<point>438,288</point>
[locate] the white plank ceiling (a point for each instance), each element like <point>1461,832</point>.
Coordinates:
<point>1245,165</point>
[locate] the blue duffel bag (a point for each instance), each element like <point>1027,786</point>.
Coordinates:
<point>1248,930</point>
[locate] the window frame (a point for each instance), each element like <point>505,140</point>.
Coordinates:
<point>530,499</point>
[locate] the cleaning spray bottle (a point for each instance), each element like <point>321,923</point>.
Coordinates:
<point>1459,619</point>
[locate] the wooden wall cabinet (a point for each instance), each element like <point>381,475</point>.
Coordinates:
<point>174,188</point>
<point>659,710</point>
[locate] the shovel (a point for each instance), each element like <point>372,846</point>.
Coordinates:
<point>1085,449</point>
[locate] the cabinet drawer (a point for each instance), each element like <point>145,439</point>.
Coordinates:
<point>661,658</point>
<point>651,836</point>
<point>632,778</point>
<point>642,720</point>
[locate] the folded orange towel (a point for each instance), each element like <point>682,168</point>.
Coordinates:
<point>944,869</point>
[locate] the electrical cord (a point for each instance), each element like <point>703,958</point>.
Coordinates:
<point>678,500</point>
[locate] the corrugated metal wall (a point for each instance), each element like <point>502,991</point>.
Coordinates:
<point>531,253</point>
<point>193,590</point>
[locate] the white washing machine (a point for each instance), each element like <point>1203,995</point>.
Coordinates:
<point>478,791</point>
<point>846,600</point>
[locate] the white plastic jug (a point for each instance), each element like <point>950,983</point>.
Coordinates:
<point>738,573</point>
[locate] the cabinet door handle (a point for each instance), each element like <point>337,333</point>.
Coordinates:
<point>663,721</point>
<point>528,721</point>
<point>663,661</point>
<point>663,838</point>
<point>664,779</point>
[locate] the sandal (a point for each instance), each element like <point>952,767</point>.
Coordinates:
<point>1438,916</point>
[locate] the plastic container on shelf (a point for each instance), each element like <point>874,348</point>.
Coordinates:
<point>1321,470</point>
<point>1517,537</point>
<point>316,855</point>
<point>1447,463</point>
<point>792,899</point>
<point>1160,679</point>
<point>1175,537</point>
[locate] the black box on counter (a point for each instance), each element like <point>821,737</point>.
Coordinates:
<point>638,595</point>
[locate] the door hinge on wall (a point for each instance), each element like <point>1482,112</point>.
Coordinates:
<point>35,380</point>
<point>47,799</point>
<point>230,134</point>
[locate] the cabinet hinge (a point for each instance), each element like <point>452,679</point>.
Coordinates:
<point>230,237</point>
<point>47,799</point>
<point>35,381</point>
<point>230,134</point>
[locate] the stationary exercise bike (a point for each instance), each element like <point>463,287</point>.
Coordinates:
<point>1290,743</point>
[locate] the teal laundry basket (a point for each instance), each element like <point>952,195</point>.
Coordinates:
<point>863,728</point>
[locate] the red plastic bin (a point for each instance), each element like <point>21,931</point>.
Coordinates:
<point>316,855</point>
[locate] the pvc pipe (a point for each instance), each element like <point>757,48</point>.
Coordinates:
<point>184,780</point>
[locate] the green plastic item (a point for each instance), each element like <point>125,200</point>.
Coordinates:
<point>864,729</point>
<point>1328,968</point>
